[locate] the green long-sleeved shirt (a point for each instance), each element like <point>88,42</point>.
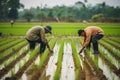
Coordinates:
<point>35,33</point>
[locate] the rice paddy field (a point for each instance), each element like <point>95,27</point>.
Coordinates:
<point>18,62</point>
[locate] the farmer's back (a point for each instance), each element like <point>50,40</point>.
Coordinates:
<point>93,30</point>
<point>34,33</point>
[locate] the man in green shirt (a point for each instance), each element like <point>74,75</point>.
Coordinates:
<point>36,34</point>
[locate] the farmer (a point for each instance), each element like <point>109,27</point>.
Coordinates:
<point>91,34</point>
<point>11,22</point>
<point>37,35</point>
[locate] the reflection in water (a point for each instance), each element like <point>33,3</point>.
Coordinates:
<point>110,57</point>
<point>52,62</point>
<point>106,70</point>
<point>19,64</point>
<point>67,72</point>
<point>37,61</point>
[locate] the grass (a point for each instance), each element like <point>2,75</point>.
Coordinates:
<point>59,28</point>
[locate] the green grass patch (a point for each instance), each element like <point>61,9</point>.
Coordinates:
<point>59,28</point>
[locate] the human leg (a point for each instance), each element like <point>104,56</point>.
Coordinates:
<point>95,42</point>
<point>31,44</point>
<point>42,47</point>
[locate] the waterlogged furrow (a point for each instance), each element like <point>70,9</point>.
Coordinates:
<point>17,65</point>
<point>110,57</point>
<point>52,62</point>
<point>67,72</point>
<point>7,62</point>
<point>106,70</point>
<point>31,69</point>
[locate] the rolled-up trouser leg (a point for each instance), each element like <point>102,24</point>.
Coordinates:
<point>42,47</point>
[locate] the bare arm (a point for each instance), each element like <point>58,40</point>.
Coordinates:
<point>86,41</point>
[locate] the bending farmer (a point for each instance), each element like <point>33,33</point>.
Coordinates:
<point>91,35</point>
<point>37,35</point>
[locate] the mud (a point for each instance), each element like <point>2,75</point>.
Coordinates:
<point>110,75</point>
<point>11,65</point>
<point>114,61</point>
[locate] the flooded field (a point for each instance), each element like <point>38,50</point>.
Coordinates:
<point>17,62</point>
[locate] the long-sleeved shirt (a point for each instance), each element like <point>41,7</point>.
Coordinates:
<point>36,33</point>
<point>91,31</point>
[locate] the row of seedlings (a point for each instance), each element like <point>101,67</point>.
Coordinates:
<point>5,47</point>
<point>11,51</point>
<point>112,43</point>
<point>109,65</point>
<point>57,73</point>
<point>79,75</point>
<point>39,65</point>
<point>3,42</point>
<point>12,63</point>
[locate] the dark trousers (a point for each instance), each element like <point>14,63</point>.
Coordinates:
<point>33,43</point>
<point>94,40</point>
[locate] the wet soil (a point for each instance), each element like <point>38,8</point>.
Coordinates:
<point>110,52</point>
<point>40,74</point>
<point>22,70</point>
<point>11,65</point>
<point>112,67</point>
<point>95,70</point>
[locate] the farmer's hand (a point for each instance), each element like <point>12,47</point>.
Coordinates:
<point>80,51</point>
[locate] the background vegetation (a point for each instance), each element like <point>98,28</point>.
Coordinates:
<point>78,12</point>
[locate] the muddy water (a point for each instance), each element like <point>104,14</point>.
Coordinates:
<point>28,72</point>
<point>51,67</point>
<point>111,58</point>
<point>18,65</point>
<point>67,72</point>
<point>106,70</point>
<point>7,62</point>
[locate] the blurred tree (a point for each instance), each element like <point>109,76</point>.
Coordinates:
<point>13,6</point>
<point>3,9</point>
<point>28,15</point>
<point>9,9</point>
<point>78,12</point>
<point>98,17</point>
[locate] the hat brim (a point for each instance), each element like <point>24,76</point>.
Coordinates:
<point>48,31</point>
